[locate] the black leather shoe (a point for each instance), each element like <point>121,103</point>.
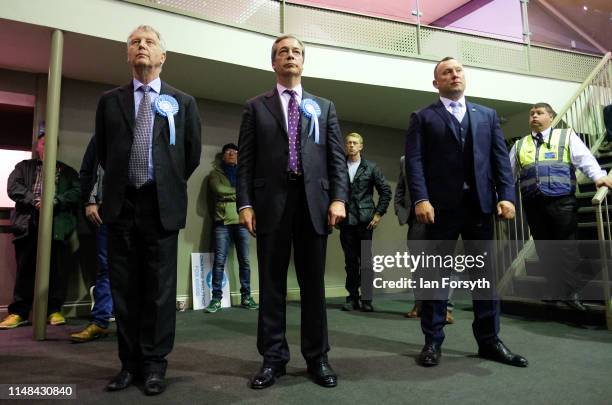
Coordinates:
<point>351,304</point>
<point>266,376</point>
<point>366,306</point>
<point>430,355</point>
<point>323,374</point>
<point>154,384</point>
<point>575,302</point>
<point>121,381</point>
<point>499,352</point>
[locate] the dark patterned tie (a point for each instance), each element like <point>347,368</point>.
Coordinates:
<point>539,138</point>
<point>293,130</point>
<point>139,158</point>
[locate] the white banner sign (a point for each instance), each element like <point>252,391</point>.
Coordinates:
<point>201,280</point>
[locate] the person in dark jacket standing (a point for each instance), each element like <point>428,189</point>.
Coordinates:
<point>25,185</point>
<point>362,218</point>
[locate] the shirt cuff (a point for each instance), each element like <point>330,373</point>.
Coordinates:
<point>416,202</point>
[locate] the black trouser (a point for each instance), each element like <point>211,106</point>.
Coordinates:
<point>142,269</point>
<point>23,294</point>
<point>358,272</point>
<point>273,255</point>
<point>476,230</point>
<point>550,219</point>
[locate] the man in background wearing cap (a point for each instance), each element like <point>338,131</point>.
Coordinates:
<point>222,186</point>
<point>25,186</point>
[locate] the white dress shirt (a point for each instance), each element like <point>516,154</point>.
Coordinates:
<point>580,156</point>
<point>352,168</point>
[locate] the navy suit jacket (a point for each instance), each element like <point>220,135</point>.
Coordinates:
<point>434,158</point>
<point>264,153</point>
<point>173,164</point>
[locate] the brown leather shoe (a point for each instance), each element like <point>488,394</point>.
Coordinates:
<point>415,312</point>
<point>449,317</point>
<point>91,332</point>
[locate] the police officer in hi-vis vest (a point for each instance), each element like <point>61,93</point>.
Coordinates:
<point>545,162</point>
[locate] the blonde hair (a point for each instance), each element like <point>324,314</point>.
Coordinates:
<point>354,135</point>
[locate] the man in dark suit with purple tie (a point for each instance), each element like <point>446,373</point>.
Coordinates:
<point>291,189</point>
<point>459,176</point>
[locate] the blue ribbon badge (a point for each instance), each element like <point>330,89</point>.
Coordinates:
<point>313,111</point>
<point>167,106</point>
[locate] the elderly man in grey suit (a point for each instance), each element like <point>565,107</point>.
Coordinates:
<point>291,189</point>
<point>148,140</point>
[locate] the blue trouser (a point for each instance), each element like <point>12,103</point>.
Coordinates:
<point>224,236</point>
<point>103,306</point>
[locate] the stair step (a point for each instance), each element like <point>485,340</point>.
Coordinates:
<point>536,287</point>
<point>587,214</point>
<point>606,165</point>
<point>588,267</point>
<point>556,312</point>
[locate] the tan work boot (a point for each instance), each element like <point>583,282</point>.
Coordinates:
<point>415,312</point>
<point>12,321</point>
<point>91,332</point>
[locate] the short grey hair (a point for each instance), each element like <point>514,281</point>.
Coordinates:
<point>148,28</point>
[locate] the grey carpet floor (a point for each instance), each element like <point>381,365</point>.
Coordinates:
<point>373,354</point>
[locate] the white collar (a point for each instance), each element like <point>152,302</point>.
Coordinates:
<point>155,85</point>
<point>448,101</point>
<point>298,90</point>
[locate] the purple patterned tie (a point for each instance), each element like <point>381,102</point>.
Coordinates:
<point>293,130</point>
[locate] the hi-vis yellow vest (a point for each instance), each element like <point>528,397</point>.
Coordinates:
<point>546,169</point>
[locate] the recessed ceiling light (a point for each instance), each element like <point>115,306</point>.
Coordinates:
<point>585,8</point>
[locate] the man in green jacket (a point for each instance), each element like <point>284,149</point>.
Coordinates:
<point>362,218</point>
<point>24,186</point>
<point>222,185</point>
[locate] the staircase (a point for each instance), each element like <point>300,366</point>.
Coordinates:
<point>520,280</point>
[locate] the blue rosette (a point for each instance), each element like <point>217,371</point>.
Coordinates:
<point>312,110</point>
<point>167,106</point>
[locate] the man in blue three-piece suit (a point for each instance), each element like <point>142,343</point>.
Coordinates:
<point>459,176</point>
<point>291,189</point>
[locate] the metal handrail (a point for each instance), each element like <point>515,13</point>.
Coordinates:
<point>584,113</point>
<point>587,82</point>
<point>599,199</point>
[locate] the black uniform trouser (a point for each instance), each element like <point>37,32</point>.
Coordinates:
<point>23,293</point>
<point>142,270</point>
<point>554,219</point>
<point>273,256</point>
<point>357,261</point>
